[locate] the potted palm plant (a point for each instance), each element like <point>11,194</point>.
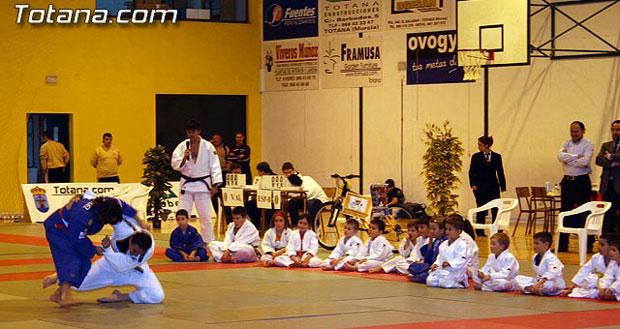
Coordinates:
<point>157,175</point>
<point>442,162</point>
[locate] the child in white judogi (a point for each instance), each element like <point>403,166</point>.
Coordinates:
<point>610,283</point>
<point>450,267</point>
<point>585,282</point>
<point>348,246</point>
<point>409,252</point>
<point>275,239</point>
<point>501,268</point>
<point>375,252</point>
<point>302,247</point>
<point>125,263</point>
<point>549,270</point>
<point>240,243</point>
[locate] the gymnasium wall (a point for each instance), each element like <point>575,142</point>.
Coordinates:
<point>108,77</point>
<point>531,108</point>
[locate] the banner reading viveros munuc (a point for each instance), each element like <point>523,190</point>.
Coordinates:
<point>432,58</point>
<point>290,19</point>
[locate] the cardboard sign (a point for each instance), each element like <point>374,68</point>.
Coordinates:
<point>270,182</point>
<point>357,205</point>
<point>235,180</point>
<point>233,197</point>
<point>276,198</point>
<point>263,199</point>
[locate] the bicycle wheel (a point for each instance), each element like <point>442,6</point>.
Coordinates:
<point>403,217</point>
<point>326,225</point>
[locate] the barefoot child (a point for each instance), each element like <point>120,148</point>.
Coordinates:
<point>585,282</point>
<point>610,283</point>
<point>302,247</point>
<point>275,239</point>
<point>419,270</point>
<point>549,270</point>
<point>186,243</point>
<point>240,243</point>
<point>375,252</point>
<point>409,250</point>
<point>450,268</point>
<point>348,246</point>
<point>502,267</point>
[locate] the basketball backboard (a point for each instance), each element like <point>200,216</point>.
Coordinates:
<point>498,25</point>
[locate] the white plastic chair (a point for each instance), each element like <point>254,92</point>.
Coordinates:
<point>502,221</point>
<point>593,226</point>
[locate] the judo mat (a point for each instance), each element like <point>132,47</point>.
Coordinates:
<point>209,295</point>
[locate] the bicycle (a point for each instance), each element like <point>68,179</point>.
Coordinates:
<point>329,220</point>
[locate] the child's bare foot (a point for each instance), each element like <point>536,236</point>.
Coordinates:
<point>55,297</point>
<point>528,289</point>
<point>50,280</point>
<point>115,297</point>
<point>565,292</point>
<point>327,267</point>
<point>477,286</point>
<point>68,302</point>
<point>233,260</point>
<point>349,267</point>
<point>269,263</point>
<point>375,270</point>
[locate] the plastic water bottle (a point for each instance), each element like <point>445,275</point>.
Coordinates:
<point>548,187</point>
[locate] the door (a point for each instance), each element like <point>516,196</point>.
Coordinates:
<point>59,126</point>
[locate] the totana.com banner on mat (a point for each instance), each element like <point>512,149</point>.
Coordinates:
<point>420,15</point>
<point>432,58</point>
<point>43,199</point>
<point>291,65</point>
<point>351,62</point>
<point>349,16</point>
<point>290,19</point>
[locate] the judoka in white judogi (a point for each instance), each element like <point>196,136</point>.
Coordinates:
<point>472,255</point>
<point>611,279</point>
<point>376,252</point>
<point>242,244</point>
<point>457,254</point>
<point>346,247</point>
<point>118,268</point>
<point>409,253</point>
<point>270,244</point>
<point>502,271</point>
<point>300,247</point>
<point>197,178</point>
<point>587,278</point>
<point>550,268</point>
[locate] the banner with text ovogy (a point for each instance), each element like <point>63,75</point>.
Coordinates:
<point>349,16</point>
<point>420,15</point>
<point>290,19</point>
<point>351,62</point>
<point>291,65</point>
<point>432,58</point>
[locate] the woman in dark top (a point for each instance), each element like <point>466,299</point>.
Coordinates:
<point>240,153</point>
<point>486,177</point>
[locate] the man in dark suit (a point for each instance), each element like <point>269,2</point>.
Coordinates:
<point>609,159</point>
<point>486,177</point>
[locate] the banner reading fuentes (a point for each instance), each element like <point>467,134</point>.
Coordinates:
<point>290,19</point>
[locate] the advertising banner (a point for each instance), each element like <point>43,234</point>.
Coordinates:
<point>420,15</point>
<point>349,16</point>
<point>291,65</point>
<point>290,19</point>
<point>432,58</point>
<point>351,62</point>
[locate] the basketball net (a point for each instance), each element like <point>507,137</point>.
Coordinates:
<point>472,61</point>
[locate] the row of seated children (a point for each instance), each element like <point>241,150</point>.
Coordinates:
<point>439,253</point>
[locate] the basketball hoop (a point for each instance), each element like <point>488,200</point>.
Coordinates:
<point>472,60</point>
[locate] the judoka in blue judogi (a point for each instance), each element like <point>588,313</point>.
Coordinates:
<point>186,243</point>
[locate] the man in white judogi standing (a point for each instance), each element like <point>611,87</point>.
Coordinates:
<point>201,175</point>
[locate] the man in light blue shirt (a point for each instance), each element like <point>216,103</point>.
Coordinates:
<point>575,155</point>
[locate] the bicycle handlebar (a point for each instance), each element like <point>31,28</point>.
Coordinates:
<point>350,176</point>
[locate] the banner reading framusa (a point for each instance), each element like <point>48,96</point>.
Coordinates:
<point>351,62</point>
<point>291,65</point>
<point>349,16</point>
<point>420,15</point>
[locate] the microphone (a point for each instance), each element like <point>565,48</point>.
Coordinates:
<point>187,147</point>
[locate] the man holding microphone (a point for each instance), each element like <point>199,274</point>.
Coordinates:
<point>201,174</point>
